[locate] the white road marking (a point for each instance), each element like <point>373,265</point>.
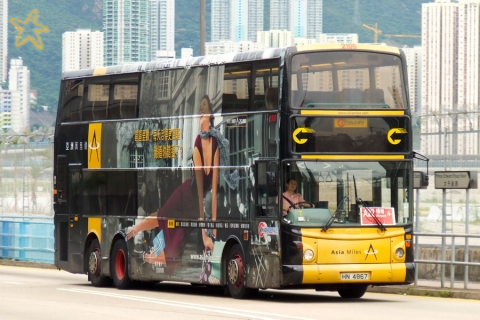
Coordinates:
<point>202,307</point>
<point>11,282</point>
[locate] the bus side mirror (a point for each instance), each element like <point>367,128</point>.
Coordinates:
<point>424,180</point>
<point>267,178</point>
<point>420,180</point>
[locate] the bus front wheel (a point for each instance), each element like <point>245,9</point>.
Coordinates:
<point>119,265</point>
<point>236,274</point>
<point>95,266</point>
<point>353,292</point>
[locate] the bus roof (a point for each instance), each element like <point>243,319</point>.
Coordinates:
<point>219,59</point>
<point>216,59</point>
<point>348,46</point>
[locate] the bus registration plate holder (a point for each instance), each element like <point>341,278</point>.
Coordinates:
<point>354,276</point>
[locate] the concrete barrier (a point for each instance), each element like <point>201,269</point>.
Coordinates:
<point>27,239</point>
<point>433,271</point>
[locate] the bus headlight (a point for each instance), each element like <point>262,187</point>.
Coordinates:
<point>399,253</point>
<point>308,255</point>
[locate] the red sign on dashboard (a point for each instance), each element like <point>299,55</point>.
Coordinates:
<point>385,215</point>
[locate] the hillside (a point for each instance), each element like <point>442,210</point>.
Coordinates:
<point>392,16</point>
<point>59,16</point>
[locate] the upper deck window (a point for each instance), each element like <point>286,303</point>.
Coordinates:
<point>250,86</point>
<point>100,98</point>
<point>346,80</point>
<point>72,100</point>
<point>95,102</point>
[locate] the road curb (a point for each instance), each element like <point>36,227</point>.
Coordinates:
<point>428,292</point>
<point>27,264</point>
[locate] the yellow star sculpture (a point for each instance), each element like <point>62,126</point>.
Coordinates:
<point>32,17</point>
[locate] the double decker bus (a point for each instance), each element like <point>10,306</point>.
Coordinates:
<point>175,171</point>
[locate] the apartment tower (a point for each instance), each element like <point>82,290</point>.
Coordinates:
<point>126,28</point>
<point>450,78</point>
<point>302,17</point>
<point>3,39</point>
<point>280,15</point>
<point>19,81</point>
<point>236,20</point>
<point>414,63</point>
<point>82,49</point>
<point>162,26</point>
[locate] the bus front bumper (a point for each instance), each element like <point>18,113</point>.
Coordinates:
<point>370,274</point>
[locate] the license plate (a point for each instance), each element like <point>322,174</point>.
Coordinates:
<point>354,276</point>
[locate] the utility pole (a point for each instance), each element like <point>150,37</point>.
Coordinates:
<point>356,13</point>
<point>202,27</point>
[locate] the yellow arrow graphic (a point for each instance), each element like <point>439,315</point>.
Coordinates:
<point>393,131</point>
<point>301,130</point>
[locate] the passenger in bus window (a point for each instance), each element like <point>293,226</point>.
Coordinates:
<point>293,200</point>
<point>188,200</point>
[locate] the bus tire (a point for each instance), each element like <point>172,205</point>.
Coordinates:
<point>94,267</point>
<point>236,274</point>
<point>353,292</point>
<point>119,265</point>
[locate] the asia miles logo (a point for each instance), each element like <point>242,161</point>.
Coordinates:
<point>94,145</point>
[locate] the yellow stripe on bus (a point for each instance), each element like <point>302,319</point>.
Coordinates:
<point>353,112</point>
<point>345,234</point>
<point>353,157</point>
<point>331,273</point>
<point>95,226</point>
<point>100,71</point>
<point>350,47</point>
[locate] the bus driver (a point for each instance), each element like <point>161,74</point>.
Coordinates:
<point>292,199</point>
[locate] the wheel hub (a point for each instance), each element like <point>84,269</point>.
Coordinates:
<point>235,271</point>
<point>94,262</point>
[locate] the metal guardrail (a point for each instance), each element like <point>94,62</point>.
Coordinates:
<point>27,238</point>
<point>30,238</point>
<point>443,260</point>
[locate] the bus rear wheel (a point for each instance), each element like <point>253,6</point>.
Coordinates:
<point>94,268</point>
<point>119,265</point>
<point>236,274</point>
<point>353,292</point>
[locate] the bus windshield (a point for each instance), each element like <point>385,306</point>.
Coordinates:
<point>341,79</point>
<point>350,193</point>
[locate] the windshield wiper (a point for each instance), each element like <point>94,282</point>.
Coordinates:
<point>329,223</point>
<point>331,220</point>
<point>377,221</point>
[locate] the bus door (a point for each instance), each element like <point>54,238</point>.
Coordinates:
<point>76,225</point>
<point>264,248</point>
